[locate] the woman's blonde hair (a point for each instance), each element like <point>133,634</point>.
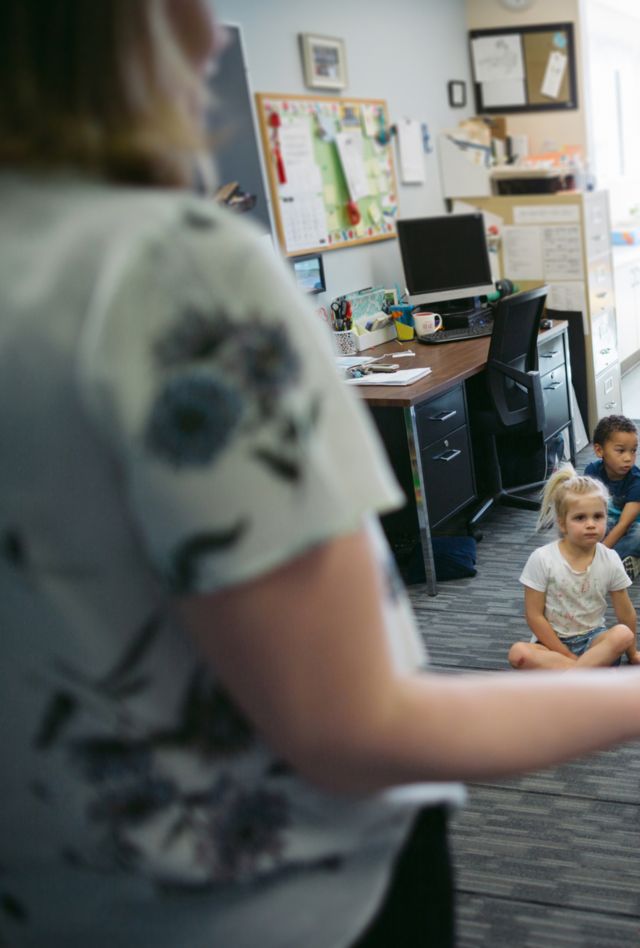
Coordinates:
<point>100,85</point>
<point>563,485</point>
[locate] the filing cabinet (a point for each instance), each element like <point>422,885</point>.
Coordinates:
<point>609,393</point>
<point>445,454</point>
<point>582,287</point>
<point>626,265</point>
<point>443,462</point>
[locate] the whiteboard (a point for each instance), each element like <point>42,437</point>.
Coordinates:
<point>236,150</point>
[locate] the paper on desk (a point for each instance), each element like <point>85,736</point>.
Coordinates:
<point>351,362</point>
<point>401,377</point>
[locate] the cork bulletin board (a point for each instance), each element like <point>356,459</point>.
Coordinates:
<point>330,169</point>
<point>524,69</point>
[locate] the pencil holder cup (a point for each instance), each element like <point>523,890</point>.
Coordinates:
<point>403,332</point>
<point>346,342</point>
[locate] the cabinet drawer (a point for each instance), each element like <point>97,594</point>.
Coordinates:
<point>600,285</point>
<point>608,392</point>
<point>448,475</point>
<point>555,394</point>
<point>604,341</point>
<point>596,223</point>
<point>440,415</point>
<point>550,354</point>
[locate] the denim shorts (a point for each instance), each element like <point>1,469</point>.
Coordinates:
<point>578,644</point>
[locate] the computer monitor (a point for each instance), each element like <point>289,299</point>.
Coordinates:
<point>446,261</point>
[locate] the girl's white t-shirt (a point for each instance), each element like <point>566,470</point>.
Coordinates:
<point>171,423</point>
<point>575,602</point>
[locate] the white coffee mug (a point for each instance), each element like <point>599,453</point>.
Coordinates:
<point>427,323</point>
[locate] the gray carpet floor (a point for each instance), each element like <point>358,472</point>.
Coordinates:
<point>551,859</point>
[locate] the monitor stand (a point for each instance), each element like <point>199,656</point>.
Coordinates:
<point>459,314</point>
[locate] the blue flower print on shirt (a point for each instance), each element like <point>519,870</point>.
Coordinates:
<point>193,419</point>
<point>267,362</point>
<point>194,337</point>
<point>258,354</point>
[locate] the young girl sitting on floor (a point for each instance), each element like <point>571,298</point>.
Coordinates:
<point>566,584</point>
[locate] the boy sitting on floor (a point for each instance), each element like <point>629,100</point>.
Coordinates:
<point>615,442</point>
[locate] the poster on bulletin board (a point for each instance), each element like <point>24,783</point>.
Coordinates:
<point>330,169</point>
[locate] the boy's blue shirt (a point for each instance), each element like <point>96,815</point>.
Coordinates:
<point>622,492</point>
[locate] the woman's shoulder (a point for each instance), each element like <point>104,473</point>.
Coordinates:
<point>109,210</point>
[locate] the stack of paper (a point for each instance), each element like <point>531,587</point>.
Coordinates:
<point>401,377</point>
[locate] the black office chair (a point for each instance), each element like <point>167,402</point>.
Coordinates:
<point>506,400</point>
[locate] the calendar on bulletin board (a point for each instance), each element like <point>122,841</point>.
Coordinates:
<point>330,168</point>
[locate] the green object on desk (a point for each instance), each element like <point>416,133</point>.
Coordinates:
<point>365,303</point>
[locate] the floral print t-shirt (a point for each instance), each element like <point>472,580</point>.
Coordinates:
<point>171,423</point>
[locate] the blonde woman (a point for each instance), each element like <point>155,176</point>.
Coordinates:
<point>217,727</point>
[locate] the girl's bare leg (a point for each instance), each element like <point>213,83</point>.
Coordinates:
<point>527,656</point>
<point>607,648</point>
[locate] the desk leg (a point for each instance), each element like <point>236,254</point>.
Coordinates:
<point>421,500</point>
<point>572,442</point>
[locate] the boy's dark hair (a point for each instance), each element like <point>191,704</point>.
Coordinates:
<point>609,425</point>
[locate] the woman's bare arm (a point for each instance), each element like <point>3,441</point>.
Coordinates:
<point>303,651</point>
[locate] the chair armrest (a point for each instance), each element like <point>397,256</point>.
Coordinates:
<point>531,381</point>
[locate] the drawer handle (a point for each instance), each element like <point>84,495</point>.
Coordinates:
<point>448,455</point>
<point>596,236</point>
<point>553,385</point>
<point>550,354</point>
<point>443,415</point>
<point>601,295</point>
<point>605,352</point>
<point>611,405</point>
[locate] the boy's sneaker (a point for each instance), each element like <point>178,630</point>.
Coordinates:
<point>631,566</point>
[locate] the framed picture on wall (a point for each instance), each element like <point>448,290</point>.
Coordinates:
<point>324,61</point>
<point>457,92</point>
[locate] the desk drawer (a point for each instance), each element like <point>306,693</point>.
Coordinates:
<point>448,475</point>
<point>437,417</point>
<point>555,395</point>
<point>550,354</point>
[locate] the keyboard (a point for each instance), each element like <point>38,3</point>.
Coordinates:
<point>456,335</point>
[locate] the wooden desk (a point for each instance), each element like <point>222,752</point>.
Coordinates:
<point>429,443</point>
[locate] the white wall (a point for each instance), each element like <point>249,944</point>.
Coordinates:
<point>403,51</point>
<point>611,30</point>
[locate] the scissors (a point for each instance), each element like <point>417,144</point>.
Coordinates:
<point>341,314</point>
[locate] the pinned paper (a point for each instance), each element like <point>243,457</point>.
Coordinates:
<point>350,151</point>
<point>370,120</point>
<point>554,73</point>
<point>330,195</point>
<point>497,58</point>
<point>411,151</point>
